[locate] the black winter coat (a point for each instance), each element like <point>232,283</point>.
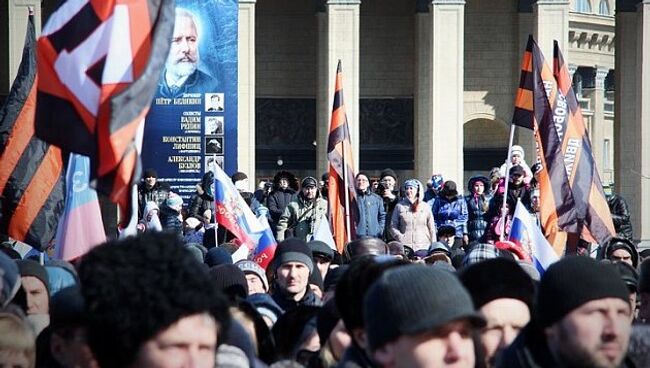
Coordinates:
<point>477,217</point>
<point>278,201</point>
<point>620,215</point>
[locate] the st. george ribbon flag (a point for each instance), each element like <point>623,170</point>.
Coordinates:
<point>535,103</point>
<point>99,62</point>
<point>341,194</point>
<point>593,214</point>
<point>32,187</point>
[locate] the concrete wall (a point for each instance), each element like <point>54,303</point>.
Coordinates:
<point>286,42</point>
<point>387,48</point>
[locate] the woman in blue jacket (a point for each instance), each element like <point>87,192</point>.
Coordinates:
<point>450,208</point>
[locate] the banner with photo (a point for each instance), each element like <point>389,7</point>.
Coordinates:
<point>192,123</point>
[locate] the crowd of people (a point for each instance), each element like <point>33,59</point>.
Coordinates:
<point>425,282</point>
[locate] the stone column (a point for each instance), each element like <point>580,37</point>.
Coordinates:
<point>632,111</point>
<point>246,86</point>
<point>440,64</point>
<point>338,39</point>
<point>598,121</point>
<point>551,22</point>
<point>13,26</point>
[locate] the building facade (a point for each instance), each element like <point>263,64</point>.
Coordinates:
<point>429,85</point>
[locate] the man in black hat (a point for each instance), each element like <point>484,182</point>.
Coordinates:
<point>150,190</point>
<point>503,292</point>
<point>305,213</point>
<point>323,256</point>
<point>518,189</point>
<point>35,283</point>
<point>644,292</point>
<point>622,250</point>
<point>582,319</point>
<point>292,265</point>
<point>420,316</point>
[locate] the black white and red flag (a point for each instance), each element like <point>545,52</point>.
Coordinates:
<point>595,220</point>
<point>536,105</point>
<point>341,194</point>
<point>31,171</point>
<point>99,62</point>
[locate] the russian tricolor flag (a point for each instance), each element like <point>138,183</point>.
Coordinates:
<point>81,227</point>
<point>232,212</point>
<point>525,231</point>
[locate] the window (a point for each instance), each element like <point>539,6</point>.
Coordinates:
<point>606,160</point>
<point>583,6</point>
<point>603,7</point>
<point>577,84</point>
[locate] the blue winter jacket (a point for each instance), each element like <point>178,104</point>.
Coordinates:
<point>371,215</point>
<point>452,213</point>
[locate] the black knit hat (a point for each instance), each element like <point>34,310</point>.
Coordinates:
<point>572,282</point>
<point>319,248</point>
<point>27,267</point>
<point>625,244</point>
<point>230,280</point>
<point>293,250</point>
<point>309,182</point>
<point>67,308</point>
<point>388,172</point>
<point>495,279</point>
<point>238,176</point>
<point>150,173</point>
<point>517,170</point>
<point>628,274</point>
<point>409,300</point>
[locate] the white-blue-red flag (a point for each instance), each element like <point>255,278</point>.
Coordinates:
<point>81,227</point>
<point>232,212</point>
<point>526,234</point>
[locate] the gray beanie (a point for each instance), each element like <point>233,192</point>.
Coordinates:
<point>408,300</point>
<point>293,250</point>
<point>252,267</point>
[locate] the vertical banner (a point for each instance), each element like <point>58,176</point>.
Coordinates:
<point>192,123</point>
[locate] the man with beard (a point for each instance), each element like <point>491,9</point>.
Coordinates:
<point>582,320</point>
<point>304,214</point>
<point>182,74</point>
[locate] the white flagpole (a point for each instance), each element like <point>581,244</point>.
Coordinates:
<point>214,200</point>
<point>507,179</point>
<point>347,197</point>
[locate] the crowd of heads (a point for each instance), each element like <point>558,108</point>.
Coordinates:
<point>190,298</point>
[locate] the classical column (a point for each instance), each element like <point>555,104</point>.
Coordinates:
<point>338,39</point>
<point>13,26</point>
<point>439,89</point>
<point>598,120</point>
<point>246,92</point>
<point>632,111</point>
<point>551,22</point>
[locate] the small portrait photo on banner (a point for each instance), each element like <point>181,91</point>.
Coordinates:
<point>214,125</point>
<point>210,161</point>
<point>214,102</point>
<point>214,145</point>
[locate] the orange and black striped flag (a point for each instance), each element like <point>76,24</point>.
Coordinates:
<point>536,107</point>
<point>594,217</point>
<point>31,171</point>
<point>99,62</point>
<point>341,165</point>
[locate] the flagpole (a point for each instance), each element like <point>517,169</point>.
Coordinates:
<point>214,200</point>
<point>347,198</point>
<point>505,193</point>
